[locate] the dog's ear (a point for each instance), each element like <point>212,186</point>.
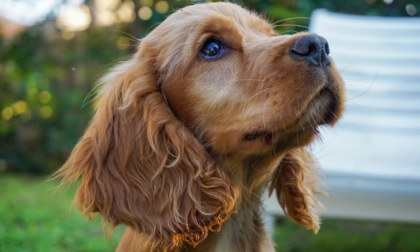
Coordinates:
<point>140,166</point>
<point>295,180</point>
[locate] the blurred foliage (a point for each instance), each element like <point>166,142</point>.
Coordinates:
<point>44,83</point>
<point>47,74</point>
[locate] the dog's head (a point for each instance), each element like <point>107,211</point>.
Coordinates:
<point>238,85</point>
<point>212,83</point>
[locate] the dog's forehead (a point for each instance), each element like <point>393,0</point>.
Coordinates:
<point>198,13</point>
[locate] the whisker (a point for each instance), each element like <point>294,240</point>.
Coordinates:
<point>292,18</point>
<point>292,25</point>
<point>332,112</point>
<point>364,92</point>
<point>258,80</point>
<point>131,37</point>
<point>289,32</point>
<point>256,94</point>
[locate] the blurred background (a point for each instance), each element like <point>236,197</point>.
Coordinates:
<point>52,52</point>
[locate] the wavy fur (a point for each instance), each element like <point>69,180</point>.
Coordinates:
<point>181,148</point>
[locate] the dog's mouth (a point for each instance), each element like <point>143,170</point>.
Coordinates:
<point>264,135</point>
<point>331,109</point>
<point>322,110</point>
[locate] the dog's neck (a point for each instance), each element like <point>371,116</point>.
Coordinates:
<point>251,176</point>
<point>244,230</point>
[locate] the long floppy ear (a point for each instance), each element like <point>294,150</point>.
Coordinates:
<point>295,181</point>
<point>140,166</point>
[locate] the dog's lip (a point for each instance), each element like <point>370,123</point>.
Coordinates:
<point>264,135</point>
<point>331,109</point>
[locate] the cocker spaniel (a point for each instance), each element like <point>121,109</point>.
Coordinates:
<point>213,110</point>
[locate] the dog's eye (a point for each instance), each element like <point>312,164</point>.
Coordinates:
<point>212,48</point>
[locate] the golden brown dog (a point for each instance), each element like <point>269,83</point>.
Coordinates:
<point>213,110</point>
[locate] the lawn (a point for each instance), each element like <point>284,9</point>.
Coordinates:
<point>35,217</point>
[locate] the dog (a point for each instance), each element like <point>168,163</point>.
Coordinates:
<point>214,109</point>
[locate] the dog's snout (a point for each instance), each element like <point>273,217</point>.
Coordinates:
<point>312,48</point>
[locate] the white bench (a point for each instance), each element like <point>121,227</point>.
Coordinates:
<point>371,159</point>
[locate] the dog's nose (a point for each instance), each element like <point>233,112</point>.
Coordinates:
<point>313,48</point>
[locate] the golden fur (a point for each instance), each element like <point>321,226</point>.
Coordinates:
<point>181,148</point>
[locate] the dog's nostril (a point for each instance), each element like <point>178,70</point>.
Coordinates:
<point>313,48</point>
<point>327,48</point>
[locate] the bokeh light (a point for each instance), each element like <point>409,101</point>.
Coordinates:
<point>19,107</point>
<point>107,4</point>
<point>7,113</point>
<point>147,3</point>
<point>67,35</point>
<point>126,12</point>
<point>145,13</point>
<point>411,9</point>
<point>123,43</point>
<point>46,111</point>
<point>104,17</point>
<point>162,7</point>
<point>44,97</point>
<point>74,18</point>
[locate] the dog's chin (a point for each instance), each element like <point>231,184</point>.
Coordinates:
<point>322,110</point>
<point>328,104</point>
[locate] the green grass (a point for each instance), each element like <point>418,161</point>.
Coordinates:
<point>35,217</point>
<point>348,236</point>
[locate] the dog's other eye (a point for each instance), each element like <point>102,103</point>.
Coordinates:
<point>212,48</point>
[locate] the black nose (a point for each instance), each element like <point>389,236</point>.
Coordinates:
<point>313,48</point>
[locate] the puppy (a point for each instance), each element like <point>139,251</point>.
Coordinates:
<point>213,110</point>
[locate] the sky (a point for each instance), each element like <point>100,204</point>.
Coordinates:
<point>32,12</point>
